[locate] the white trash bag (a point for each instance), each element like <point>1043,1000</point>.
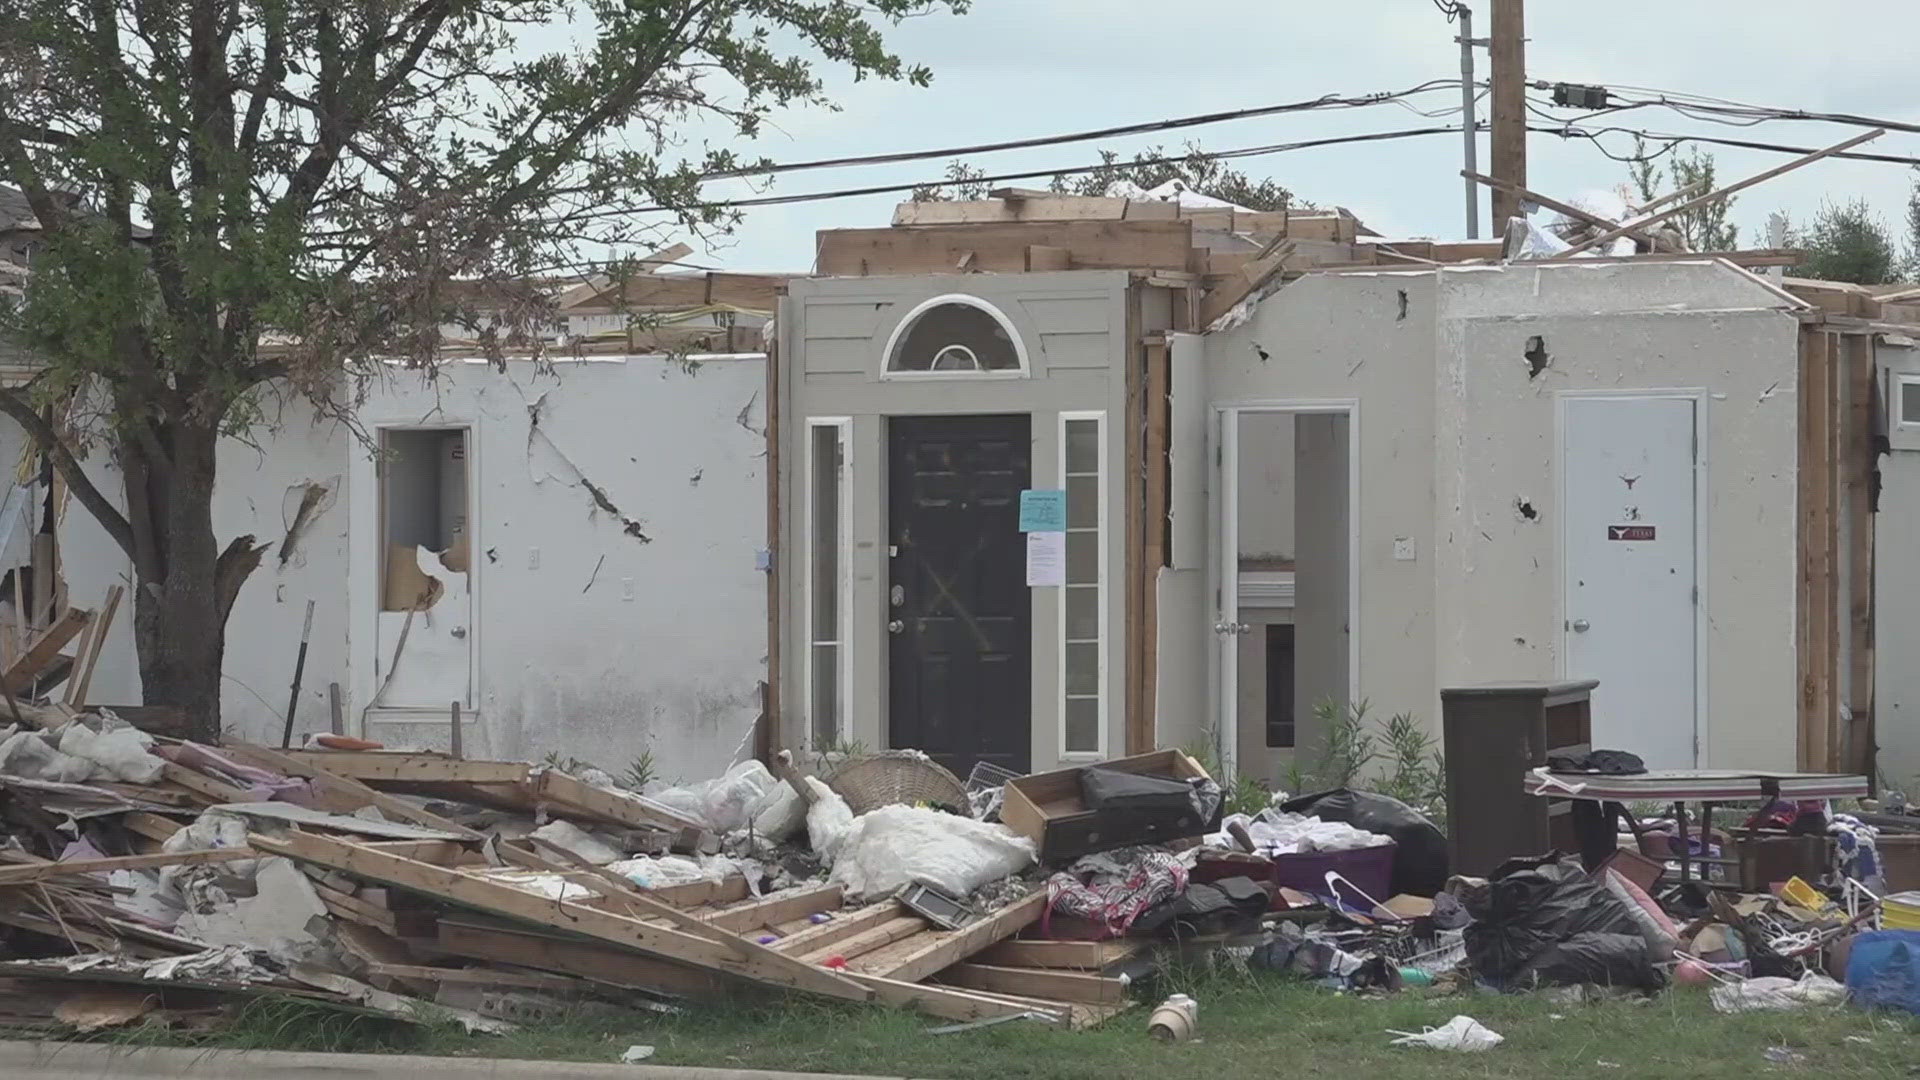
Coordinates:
<point>896,846</point>
<point>1462,1033</point>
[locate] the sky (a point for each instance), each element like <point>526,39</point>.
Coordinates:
<point>1018,68</point>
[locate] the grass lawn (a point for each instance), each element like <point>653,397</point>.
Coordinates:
<point>1250,1025</point>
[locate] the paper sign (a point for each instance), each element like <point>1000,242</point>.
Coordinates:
<point>1046,558</point>
<point>1629,532</point>
<point>1043,510</point>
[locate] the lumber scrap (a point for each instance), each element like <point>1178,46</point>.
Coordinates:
<point>867,942</point>
<point>333,784</point>
<point>1061,955</point>
<point>48,871</point>
<point>502,944</point>
<point>840,929</point>
<point>508,901</point>
<point>566,793</point>
<point>951,1003</point>
<point>374,767</point>
<point>780,907</point>
<point>1002,248</point>
<point>44,650</point>
<point>943,948</point>
<point>1029,982</point>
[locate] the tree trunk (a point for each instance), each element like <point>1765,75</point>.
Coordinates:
<point>180,600</point>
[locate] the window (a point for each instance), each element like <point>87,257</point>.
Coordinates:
<point>827,607</point>
<point>955,335</point>
<point>1280,685</point>
<point>1910,399</point>
<point>1083,600</point>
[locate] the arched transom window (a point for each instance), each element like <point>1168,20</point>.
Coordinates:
<point>955,335</point>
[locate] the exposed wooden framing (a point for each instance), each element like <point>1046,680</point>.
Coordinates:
<point>1711,196</point>
<point>1861,464</point>
<point>946,948</point>
<point>1833,601</point>
<point>375,766</point>
<point>570,956</point>
<point>695,893</point>
<point>44,650</point>
<point>1002,248</point>
<point>838,929</point>
<point>509,901</point>
<point>1055,985</point>
<point>1041,257</point>
<point>792,904</point>
<point>1254,275</point>
<point>209,789</point>
<point>867,942</point>
<point>772,691</point>
<point>554,786</point>
<point>1132,423</point>
<point>1076,955</point>
<point>353,909</point>
<point>335,784</point>
<point>1818,716</point>
<point>48,871</point>
<point>437,852</point>
<point>1140,722</point>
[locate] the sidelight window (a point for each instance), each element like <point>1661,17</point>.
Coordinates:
<point>1083,603</point>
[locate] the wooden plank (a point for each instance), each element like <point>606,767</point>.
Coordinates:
<point>96,640</point>
<point>777,909</point>
<point>437,852</point>
<point>954,1004</point>
<point>374,766</point>
<point>554,786</point>
<point>1139,737</point>
<point>1835,600</point>
<point>581,959</point>
<point>988,211</point>
<point>1861,464</point>
<point>839,929</point>
<point>47,871</point>
<point>946,948</point>
<point>1028,982</point>
<point>898,928</point>
<point>210,790</point>
<point>44,650</point>
<point>355,910</point>
<point>1041,257</point>
<point>151,826</point>
<point>1698,201</point>
<point>332,783</point>
<point>506,900</point>
<point>532,980</point>
<point>1254,276</point>
<point>1816,566</point>
<point>1002,248</point>
<point>695,893</point>
<point>1076,955</point>
<point>1567,209</point>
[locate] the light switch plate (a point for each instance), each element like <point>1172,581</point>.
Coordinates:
<point>1403,549</point>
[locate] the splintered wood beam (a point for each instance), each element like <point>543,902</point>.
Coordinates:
<point>510,901</point>
<point>334,784</point>
<point>570,794</point>
<point>44,650</point>
<point>375,766</point>
<point>34,872</point>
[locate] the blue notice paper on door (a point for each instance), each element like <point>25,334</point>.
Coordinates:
<point>1043,510</point>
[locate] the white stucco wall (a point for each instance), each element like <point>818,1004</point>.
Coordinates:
<point>1450,430</point>
<point>1618,328</point>
<point>561,665</point>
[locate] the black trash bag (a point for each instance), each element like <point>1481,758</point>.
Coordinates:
<point>1597,958</point>
<point>1228,904</point>
<point>1420,849</point>
<point>1111,789</point>
<point>1545,921</point>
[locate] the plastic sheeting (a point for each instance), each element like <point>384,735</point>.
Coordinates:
<point>725,803</point>
<point>583,844</point>
<point>896,846</point>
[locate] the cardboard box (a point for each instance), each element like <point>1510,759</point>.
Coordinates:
<point>1047,808</point>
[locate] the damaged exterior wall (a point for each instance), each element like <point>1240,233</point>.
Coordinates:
<point>608,647</point>
<point>1897,580</point>
<point>1454,429</point>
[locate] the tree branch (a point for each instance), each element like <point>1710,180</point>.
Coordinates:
<point>49,440</point>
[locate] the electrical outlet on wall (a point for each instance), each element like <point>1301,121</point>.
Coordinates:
<point>626,588</point>
<point>533,558</point>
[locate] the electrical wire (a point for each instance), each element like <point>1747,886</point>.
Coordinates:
<point>1736,113</point>
<point>1325,101</point>
<point>1673,140</point>
<point>884,189</point>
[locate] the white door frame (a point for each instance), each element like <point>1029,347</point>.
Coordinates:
<point>366,556</point>
<point>1699,397</point>
<point>1223,430</point>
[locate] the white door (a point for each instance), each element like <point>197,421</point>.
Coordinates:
<point>1630,580</point>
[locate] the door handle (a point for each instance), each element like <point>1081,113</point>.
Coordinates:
<point>1581,626</point>
<point>895,626</point>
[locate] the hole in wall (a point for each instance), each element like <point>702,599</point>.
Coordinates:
<point>1525,509</point>
<point>1536,354</point>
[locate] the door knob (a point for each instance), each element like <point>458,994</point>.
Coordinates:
<point>894,626</point>
<point>1581,626</point>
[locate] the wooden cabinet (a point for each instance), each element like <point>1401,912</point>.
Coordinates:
<point>1493,735</point>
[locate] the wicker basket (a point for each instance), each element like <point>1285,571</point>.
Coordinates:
<point>896,776</point>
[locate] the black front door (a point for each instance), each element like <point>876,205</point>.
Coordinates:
<point>961,661</point>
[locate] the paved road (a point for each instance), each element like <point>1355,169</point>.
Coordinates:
<point>77,1061</point>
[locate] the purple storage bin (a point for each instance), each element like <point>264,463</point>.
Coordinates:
<point>1371,869</point>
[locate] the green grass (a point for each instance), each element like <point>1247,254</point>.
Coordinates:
<point>1249,1026</point>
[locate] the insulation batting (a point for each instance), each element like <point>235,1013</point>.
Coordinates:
<point>896,846</point>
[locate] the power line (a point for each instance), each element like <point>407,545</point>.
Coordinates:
<point>1672,140</point>
<point>883,189</point>
<point>1327,101</point>
<point>1735,113</point>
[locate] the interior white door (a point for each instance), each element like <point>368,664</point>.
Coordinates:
<point>1629,557</point>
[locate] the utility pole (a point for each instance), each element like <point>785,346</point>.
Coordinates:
<point>1469,125</point>
<point>1509,50</point>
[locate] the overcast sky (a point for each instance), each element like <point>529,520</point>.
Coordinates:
<point>1018,68</point>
